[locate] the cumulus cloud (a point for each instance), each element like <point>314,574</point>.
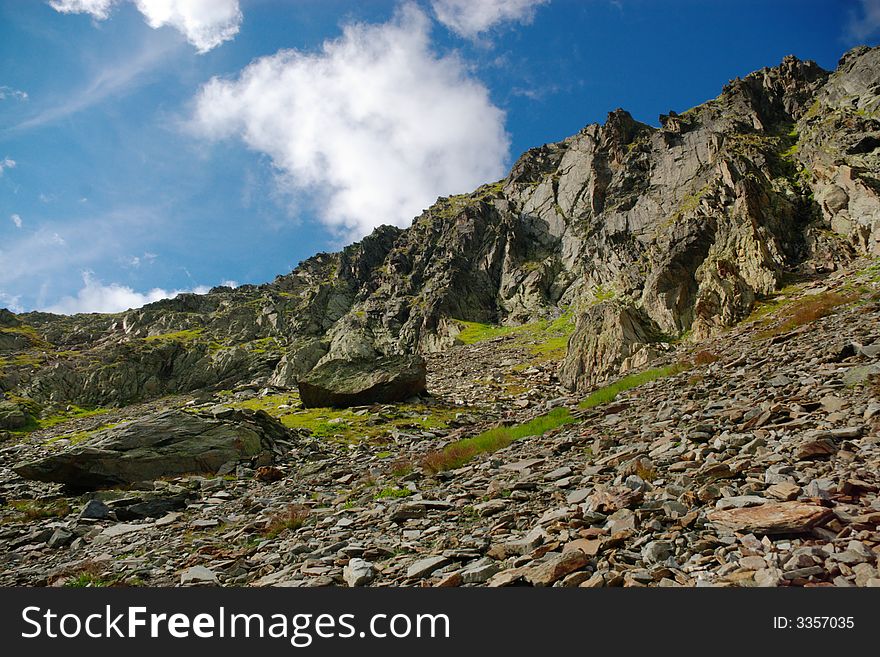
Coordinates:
<point>16,219</point>
<point>373,127</point>
<point>95,297</point>
<point>468,18</point>
<point>99,9</point>
<point>865,22</point>
<point>13,94</point>
<point>6,163</point>
<point>205,23</point>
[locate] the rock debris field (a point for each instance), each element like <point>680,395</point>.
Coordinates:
<point>757,465</point>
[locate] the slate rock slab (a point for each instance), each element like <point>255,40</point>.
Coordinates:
<point>168,443</point>
<point>779,518</point>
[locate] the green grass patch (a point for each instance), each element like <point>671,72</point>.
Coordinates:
<point>35,338</point>
<point>609,393</point>
<point>185,336</point>
<point>80,437</point>
<point>392,493</point>
<point>72,412</point>
<point>473,332</point>
<point>40,509</point>
<point>544,339</point>
<point>460,452</point>
<point>349,425</point>
<point>88,580</point>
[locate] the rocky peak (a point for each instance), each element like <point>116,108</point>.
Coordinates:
<point>642,235</point>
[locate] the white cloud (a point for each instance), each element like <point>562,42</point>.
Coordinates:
<point>468,18</point>
<point>374,126</point>
<point>16,219</point>
<point>135,262</point>
<point>866,22</point>
<point>205,23</point>
<point>6,163</point>
<point>14,94</point>
<point>95,297</point>
<point>99,9</point>
<point>10,302</point>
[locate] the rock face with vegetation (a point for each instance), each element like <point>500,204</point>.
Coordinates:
<point>650,355</point>
<point>643,234</point>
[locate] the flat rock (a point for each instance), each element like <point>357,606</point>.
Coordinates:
<point>740,502</point>
<point>772,518</point>
<point>169,443</point>
<point>198,575</point>
<point>424,567</point>
<point>556,567</point>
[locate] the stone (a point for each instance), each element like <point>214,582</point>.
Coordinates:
<point>803,573</point>
<point>343,383</point>
<point>479,572</point>
<point>358,572</point>
<point>490,508</point>
<point>198,575</point>
<point>740,502</point>
<point>507,577</point>
<point>558,474</point>
<point>96,510</point>
<point>424,567</point>
<point>556,567</point>
<point>815,449</point>
<point>752,563</point>
<point>784,491</point>
<point>13,416</point>
<point>578,496</point>
<point>60,537</point>
<point>864,572</point>
<point>155,507</point>
<point>121,530</point>
<point>590,547</point>
<point>614,499</point>
<point>657,551</point>
<point>164,444</point>
<point>772,518</point>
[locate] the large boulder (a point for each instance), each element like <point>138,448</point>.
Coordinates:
<point>168,443</point>
<point>342,383</point>
<point>609,339</point>
<point>12,416</point>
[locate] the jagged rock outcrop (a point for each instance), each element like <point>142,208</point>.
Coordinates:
<point>168,443</point>
<point>682,226</point>
<point>839,149</point>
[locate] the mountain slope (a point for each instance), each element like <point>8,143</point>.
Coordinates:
<point>644,235</point>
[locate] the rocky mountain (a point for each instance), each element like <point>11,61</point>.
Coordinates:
<point>644,349</point>
<point>643,234</point>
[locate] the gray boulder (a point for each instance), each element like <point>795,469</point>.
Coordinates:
<point>165,444</point>
<point>12,416</point>
<point>342,383</point>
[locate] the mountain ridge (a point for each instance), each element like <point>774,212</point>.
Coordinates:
<point>644,234</point>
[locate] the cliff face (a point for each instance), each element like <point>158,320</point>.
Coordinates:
<point>643,234</point>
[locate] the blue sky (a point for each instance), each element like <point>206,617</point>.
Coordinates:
<point>152,146</point>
